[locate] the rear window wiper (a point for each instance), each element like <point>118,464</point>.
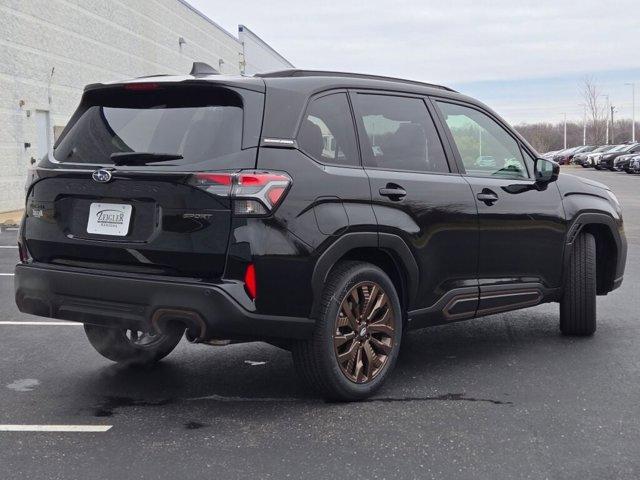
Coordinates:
<point>142,158</point>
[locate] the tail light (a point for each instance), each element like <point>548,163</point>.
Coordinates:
<point>252,192</point>
<point>23,252</point>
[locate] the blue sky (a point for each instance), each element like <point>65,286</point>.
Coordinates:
<point>527,59</point>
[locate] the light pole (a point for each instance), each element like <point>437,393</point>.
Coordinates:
<point>584,126</point>
<point>613,109</point>
<point>607,121</point>
<point>565,130</point>
<point>633,111</point>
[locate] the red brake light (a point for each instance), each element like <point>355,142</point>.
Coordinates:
<point>250,281</point>
<point>256,179</point>
<point>219,178</point>
<point>142,87</point>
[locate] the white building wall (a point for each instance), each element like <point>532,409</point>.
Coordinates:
<point>50,49</point>
<point>258,55</point>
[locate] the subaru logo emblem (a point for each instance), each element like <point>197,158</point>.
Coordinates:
<point>102,175</point>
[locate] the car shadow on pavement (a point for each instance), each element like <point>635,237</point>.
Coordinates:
<point>439,363</point>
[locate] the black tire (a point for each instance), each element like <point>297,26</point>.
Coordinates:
<point>316,360</point>
<point>578,304</point>
<point>116,345</point>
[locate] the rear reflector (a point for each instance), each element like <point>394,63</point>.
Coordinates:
<point>250,281</point>
<point>252,192</point>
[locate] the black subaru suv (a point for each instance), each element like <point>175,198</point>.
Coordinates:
<point>326,213</point>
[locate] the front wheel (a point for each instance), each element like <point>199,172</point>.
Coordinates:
<point>133,346</point>
<point>357,334</point>
<point>578,304</point>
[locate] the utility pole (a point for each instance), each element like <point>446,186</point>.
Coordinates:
<point>584,126</point>
<point>633,111</point>
<point>565,130</point>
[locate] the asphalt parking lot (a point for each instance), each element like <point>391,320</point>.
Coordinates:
<point>500,397</point>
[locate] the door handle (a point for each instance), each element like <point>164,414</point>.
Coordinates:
<point>489,197</point>
<point>394,192</point>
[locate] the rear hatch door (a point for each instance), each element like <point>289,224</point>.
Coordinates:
<point>120,191</point>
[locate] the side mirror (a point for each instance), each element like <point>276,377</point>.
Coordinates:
<point>546,171</point>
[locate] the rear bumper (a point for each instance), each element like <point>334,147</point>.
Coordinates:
<point>143,301</point>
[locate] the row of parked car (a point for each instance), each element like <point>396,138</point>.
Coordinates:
<point>624,157</point>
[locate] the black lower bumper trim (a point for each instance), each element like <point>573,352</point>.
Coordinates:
<point>103,298</point>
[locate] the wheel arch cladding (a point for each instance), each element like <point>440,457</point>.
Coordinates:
<point>606,256</point>
<point>610,248</point>
<point>391,255</point>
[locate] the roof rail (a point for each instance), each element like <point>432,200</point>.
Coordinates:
<point>325,73</point>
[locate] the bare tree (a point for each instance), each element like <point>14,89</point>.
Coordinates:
<point>596,110</point>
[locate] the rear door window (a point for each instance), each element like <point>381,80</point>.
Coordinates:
<point>399,134</point>
<point>198,124</point>
<point>327,133</point>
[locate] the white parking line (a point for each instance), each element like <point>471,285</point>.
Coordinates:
<point>63,324</point>
<point>55,428</point>
<point>8,246</point>
<point>7,274</point>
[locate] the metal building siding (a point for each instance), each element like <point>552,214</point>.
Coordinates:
<point>87,41</point>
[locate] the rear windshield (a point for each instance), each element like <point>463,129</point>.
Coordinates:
<point>199,124</point>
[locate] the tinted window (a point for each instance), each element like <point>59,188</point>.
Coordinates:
<point>530,162</point>
<point>327,132</point>
<point>199,124</point>
<point>400,134</point>
<point>485,147</point>
<point>634,149</point>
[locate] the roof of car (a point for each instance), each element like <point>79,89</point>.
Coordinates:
<point>332,74</point>
<point>299,80</point>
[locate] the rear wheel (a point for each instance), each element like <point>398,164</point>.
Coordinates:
<point>133,346</point>
<point>578,304</point>
<point>357,335</point>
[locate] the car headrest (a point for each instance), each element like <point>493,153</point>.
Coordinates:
<point>310,139</point>
<point>407,147</point>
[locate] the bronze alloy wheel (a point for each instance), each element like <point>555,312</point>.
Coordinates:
<point>364,332</point>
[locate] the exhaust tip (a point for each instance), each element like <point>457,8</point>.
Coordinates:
<point>164,319</point>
